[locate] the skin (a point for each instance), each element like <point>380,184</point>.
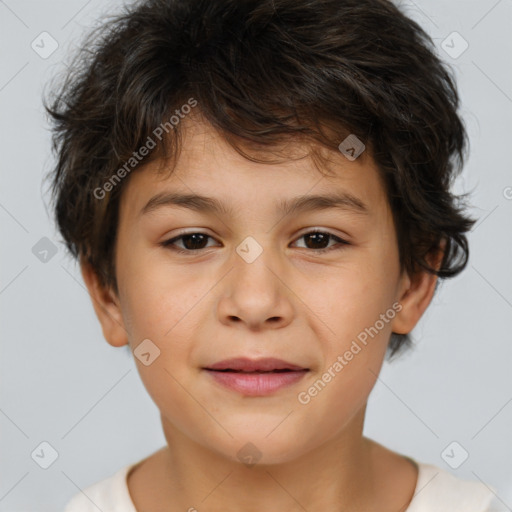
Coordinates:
<point>291,303</point>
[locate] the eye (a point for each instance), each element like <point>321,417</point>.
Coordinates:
<point>316,240</point>
<point>191,242</point>
<point>321,238</point>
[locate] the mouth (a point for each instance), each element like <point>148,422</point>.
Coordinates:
<point>245,365</point>
<point>252,377</point>
<point>255,371</point>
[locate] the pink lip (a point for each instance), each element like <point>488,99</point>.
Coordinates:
<point>256,377</point>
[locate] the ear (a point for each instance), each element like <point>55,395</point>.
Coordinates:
<point>107,307</point>
<point>415,294</point>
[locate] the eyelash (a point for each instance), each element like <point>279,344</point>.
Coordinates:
<point>169,243</point>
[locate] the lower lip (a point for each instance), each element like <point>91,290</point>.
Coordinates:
<point>257,384</point>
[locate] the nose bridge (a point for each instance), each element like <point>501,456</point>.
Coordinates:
<point>252,274</point>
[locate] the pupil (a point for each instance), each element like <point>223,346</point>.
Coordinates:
<point>195,238</point>
<point>316,237</point>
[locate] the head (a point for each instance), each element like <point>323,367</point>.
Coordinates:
<point>255,105</point>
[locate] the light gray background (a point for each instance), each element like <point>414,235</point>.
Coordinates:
<point>63,384</point>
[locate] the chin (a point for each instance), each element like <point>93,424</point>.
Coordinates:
<point>259,448</point>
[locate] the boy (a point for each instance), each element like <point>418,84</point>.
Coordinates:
<point>309,145</point>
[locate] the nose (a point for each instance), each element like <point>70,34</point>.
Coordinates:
<point>256,295</point>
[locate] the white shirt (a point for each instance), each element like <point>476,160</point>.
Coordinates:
<point>436,491</point>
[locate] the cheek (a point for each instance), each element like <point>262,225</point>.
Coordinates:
<point>353,354</point>
<point>355,300</point>
<point>156,297</point>
<point>161,307</point>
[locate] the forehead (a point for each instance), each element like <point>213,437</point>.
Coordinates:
<point>207,165</point>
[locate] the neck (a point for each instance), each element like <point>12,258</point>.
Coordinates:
<point>337,475</point>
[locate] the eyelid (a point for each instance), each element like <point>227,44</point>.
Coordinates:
<point>311,229</point>
<point>340,241</point>
<point>168,241</point>
<point>318,229</point>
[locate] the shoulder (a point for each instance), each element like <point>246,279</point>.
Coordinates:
<point>109,495</point>
<point>440,491</point>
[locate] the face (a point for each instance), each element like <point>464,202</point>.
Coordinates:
<point>296,308</point>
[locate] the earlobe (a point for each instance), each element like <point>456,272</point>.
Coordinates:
<point>106,305</point>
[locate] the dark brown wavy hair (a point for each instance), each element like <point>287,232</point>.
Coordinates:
<point>262,72</point>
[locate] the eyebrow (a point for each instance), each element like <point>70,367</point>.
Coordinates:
<point>340,200</point>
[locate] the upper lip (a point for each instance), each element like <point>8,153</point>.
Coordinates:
<point>245,364</point>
